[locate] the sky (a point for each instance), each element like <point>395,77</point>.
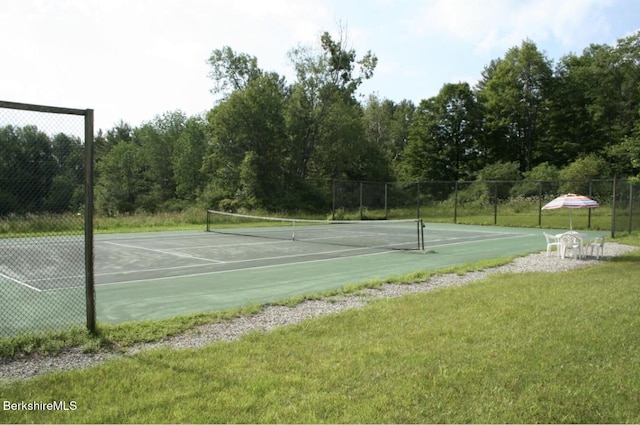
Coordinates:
<point>133,60</point>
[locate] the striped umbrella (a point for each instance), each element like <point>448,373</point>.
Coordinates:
<point>571,200</point>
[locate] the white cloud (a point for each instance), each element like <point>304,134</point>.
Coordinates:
<point>125,57</point>
<point>134,59</point>
<point>499,24</point>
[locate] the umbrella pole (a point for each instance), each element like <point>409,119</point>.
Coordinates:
<point>570,221</point>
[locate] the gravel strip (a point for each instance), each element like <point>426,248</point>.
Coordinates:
<point>275,316</point>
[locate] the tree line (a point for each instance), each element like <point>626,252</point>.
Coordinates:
<point>275,145</point>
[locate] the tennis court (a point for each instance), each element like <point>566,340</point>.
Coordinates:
<point>142,276</point>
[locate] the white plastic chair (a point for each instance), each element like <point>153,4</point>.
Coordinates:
<point>598,245</point>
<point>569,242</point>
<point>552,241</point>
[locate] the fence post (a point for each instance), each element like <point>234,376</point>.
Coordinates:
<point>495,203</point>
<point>333,207</point>
<point>88,222</point>
<point>589,209</point>
<point>540,204</point>
<point>455,202</point>
<point>613,210</point>
<point>386,193</point>
<point>630,205</point>
<point>418,199</point>
<point>361,212</point>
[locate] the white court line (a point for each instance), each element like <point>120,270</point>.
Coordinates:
<point>273,258</point>
<point>269,266</point>
<point>19,282</point>
<point>428,244</point>
<point>227,262</point>
<point>162,251</point>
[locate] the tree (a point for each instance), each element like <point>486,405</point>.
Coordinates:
<point>326,84</point>
<point>515,99</point>
<point>576,174</point>
<point>103,143</point>
<point>248,128</point>
<point>386,126</point>
<point>232,71</point>
<point>157,140</point>
<point>67,190</point>
<point>119,186</point>
<point>189,152</point>
<point>443,136</point>
<point>27,169</point>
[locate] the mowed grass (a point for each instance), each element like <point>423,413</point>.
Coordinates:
<point>515,348</point>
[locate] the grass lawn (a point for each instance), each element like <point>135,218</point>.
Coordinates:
<point>517,348</point>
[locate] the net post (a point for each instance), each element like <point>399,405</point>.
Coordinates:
<point>422,234</point>
<point>208,221</point>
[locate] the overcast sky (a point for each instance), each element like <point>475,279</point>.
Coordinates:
<point>131,60</point>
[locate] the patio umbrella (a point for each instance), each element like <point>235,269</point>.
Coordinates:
<point>571,200</point>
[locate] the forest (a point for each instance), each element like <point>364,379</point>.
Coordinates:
<point>276,145</point>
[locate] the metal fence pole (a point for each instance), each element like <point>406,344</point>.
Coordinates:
<point>386,194</point>
<point>495,203</point>
<point>88,222</point>
<point>455,203</point>
<point>418,199</point>
<point>589,209</point>
<point>613,209</point>
<point>630,206</point>
<point>333,208</point>
<point>361,211</point>
<point>540,204</point>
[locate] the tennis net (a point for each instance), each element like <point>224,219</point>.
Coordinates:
<point>384,234</point>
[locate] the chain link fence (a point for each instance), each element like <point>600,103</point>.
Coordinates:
<point>46,208</point>
<point>504,203</point>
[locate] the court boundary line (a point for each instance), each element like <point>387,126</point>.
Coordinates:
<point>162,251</point>
<point>267,266</point>
<point>20,282</point>
<point>228,262</point>
<point>509,236</point>
<point>505,235</point>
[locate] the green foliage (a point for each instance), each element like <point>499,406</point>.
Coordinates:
<point>522,111</point>
<point>119,184</point>
<point>232,71</point>
<point>443,138</point>
<point>515,98</point>
<point>588,167</point>
<point>541,179</point>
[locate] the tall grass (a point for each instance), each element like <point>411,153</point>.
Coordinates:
<point>515,213</point>
<point>51,224</point>
<point>194,218</point>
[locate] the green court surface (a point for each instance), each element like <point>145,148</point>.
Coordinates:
<point>168,274</point>
<point>145,276</point>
